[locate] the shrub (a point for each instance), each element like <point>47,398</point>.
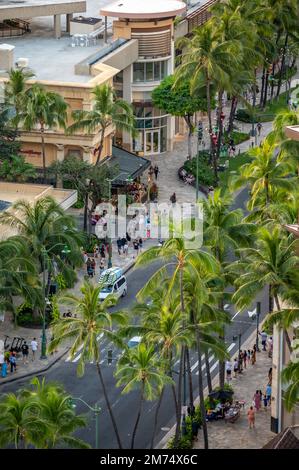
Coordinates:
<point>61,282</point>
<point>184,442</point>
<point>205,172</point>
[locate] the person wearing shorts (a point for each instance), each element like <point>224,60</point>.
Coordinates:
<point>25,352</point>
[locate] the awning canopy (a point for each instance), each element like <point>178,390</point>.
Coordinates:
<point>129,165</point>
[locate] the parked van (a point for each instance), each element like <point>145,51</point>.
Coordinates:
<point>113,282</point>
<point>135,341</point>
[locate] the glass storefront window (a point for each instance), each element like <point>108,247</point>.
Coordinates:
<point>149,71</point>
<point>138,72</point>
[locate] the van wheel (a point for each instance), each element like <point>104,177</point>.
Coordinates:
<point>124,293</point>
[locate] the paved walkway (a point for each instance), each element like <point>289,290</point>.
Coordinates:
<point>237,435</point>
<point>169,162</point>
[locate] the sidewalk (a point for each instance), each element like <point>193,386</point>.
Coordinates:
<point>223,435</point>
<point>169,163</point>
<point>41,365</point>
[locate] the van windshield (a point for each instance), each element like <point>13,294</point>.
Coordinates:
<point>106,289</point>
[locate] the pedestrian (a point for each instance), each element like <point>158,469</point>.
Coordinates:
<point>270,342</point>
<point>123,242</point>
<point>245,358</point>
<point>68,314</point>
<point>151,171</point>
<point>268,393</point>
<point>25,352</point>
<point>259,128</point>
<point>128,238</point>
<point>96,251</point>
<point>140,241</point>
<point>248,355</point>
<point>1,360</point>
<point>228,368</point>
<point>126,249</point>
<point>102,265</point>
<point>136,247</point>
<point>173,198</point>
<point>257,400</point>
<point>93,267</point>
<point>265,401</point>
<point>34,347</point>
<point>89,268</point>
<point>236,367</point>
<point>119,245</point>
<point>85,257</point>
<point>253,357</point>
<point>240,362</point>
<point>251,417</point>
<point>270,375</point>
<point>4,369</point>
<point>156,171</point>
<point>13,362</point>
<point>102,251</point>
<point>264,339</point>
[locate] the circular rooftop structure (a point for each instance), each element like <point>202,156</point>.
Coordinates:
<point>137,9</point>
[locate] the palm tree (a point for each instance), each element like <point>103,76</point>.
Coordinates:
<point>20,422</point>
<point>271,262</point>
<point>43,109</point>
<point>161,323</point>
<point>265,174</point>
<point>15,92</point>
<point>177,256</point>
<point>204,321</point>
<point>108,110</point>
<point>93,322</point>
<point>141,367</point>
<point>18,275</point>
<point>207,59</point>
<point>45,229</point>
<point>290,376</point>
<point>224,232</point>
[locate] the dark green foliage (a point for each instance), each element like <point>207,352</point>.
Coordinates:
<point>205,172</point>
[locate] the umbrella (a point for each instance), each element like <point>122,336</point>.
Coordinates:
<point>221,395</point>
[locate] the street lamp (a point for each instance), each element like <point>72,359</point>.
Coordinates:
<point>109,197</point>
<point>258,312</point>
<point>96,410</point>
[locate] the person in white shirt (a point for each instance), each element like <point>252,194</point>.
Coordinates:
<point>228,368</point>
<point>33,348</point>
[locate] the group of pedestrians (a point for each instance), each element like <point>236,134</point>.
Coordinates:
<point>240,362</point>
<point>154,170</point>
<point>8,360</point>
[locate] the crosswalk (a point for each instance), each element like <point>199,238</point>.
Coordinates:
<point>106,345</point>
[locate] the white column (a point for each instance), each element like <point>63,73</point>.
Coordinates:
<point>87,155</point>
<point>69,17</point>
<point>60,152</point>
<point>57,26</point>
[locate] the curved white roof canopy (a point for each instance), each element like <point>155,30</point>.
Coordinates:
<point>137,9</point>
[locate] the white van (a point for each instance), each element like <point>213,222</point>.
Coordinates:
<point>113,282</point>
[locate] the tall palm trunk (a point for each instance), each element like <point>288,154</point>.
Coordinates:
<point>179,399</point>
<point>220,124</point>
<point>100,147</point>
<point>208,372</point>
<point>138,415</point>
<point>201,395</point>
<point>212,153</point>
<point>282,64</point>
<point>263,87</point>
<point>232,113</point>
<point>188,367</point>
<point>156,417</point>
<point>108,405</point>
<point>189,123</point>
<point>266,89</point>
<point>42,132</point>
<point>272,83</point>
<point>85,218</point>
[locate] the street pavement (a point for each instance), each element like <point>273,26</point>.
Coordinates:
<point>88,387</point>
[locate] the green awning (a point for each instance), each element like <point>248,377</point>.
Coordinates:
<point>129,165</point>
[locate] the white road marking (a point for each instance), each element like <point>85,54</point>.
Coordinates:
<point>236,314</point>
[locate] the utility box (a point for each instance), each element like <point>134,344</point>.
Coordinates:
<point>6,57</point>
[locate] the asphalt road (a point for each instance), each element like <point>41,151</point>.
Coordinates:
<point>125,406</point>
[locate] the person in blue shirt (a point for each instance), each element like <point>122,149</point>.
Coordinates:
<point>268,393</point>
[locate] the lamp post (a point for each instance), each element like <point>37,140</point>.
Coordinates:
<point>109,197</point>
<point>258,312</point>
<point>96,410</point>
<point>199,141</point>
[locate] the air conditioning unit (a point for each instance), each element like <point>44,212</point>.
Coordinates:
<point>22,62</point>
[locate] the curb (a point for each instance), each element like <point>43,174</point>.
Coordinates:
<point>164,441</point>
<point>58,357</point>
<point>37,372</point>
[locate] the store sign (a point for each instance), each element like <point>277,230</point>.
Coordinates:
<point>31,153</point>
